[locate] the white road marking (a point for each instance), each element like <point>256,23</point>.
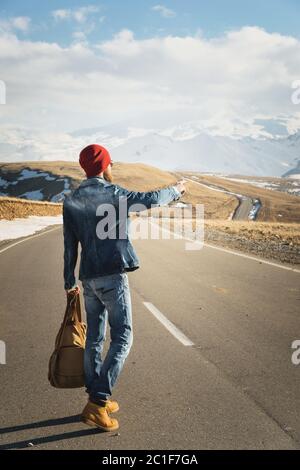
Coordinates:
<point>259,260</point>
<point>27,238</point>
<point>169,325</point>
<point>235,253</point>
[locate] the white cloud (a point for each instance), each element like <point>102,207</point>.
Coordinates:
<point>21,22</point>
<point>224,82</point>
<point>164,11</point>
<point>79,36</point>
<point>61,14</point>
<point>16,23</point>
<point>80,15</point>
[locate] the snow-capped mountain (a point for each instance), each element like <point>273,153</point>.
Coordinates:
<point>190,147</point>
<point>187,146</point>
<point>214,154</point>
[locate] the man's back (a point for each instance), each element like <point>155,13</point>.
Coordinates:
<point>111,251</point>
<point>95,216</point>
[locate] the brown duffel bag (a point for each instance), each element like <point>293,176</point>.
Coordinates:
<point>66,362</point>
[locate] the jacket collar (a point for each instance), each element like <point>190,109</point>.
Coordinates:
<point>93,180</point>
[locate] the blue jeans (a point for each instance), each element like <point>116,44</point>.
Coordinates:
<point>106,297</point>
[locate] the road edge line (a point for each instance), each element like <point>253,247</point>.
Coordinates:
<point>232,252</point>
<point>28,238</point>
<point>254,258</point>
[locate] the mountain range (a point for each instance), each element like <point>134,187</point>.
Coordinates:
<point>181,147</point>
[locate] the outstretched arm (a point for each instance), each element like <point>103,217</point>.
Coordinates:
<point>149,199</point>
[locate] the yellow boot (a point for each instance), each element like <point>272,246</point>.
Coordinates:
<point>112,406</point>
<point>95,415</point>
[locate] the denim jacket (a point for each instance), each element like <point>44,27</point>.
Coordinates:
<point>100,257</point>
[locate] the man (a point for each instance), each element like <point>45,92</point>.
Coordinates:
<point>106,257</point>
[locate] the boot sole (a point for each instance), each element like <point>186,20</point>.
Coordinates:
<point>93,424</point>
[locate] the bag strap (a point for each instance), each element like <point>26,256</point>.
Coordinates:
<point>72,301</point>
<point>74,311</point>
<point>78,309</point>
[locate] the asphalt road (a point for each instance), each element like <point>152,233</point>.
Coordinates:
<point>235,387</point>
<point>243,210</point>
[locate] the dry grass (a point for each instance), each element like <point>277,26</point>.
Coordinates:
<point>141,177</point>
<point>258,231</point>
<point>12,208</point>
<point>276,241</point>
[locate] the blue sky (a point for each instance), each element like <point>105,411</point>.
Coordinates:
<point>177,17</point>
<point>230,67</point>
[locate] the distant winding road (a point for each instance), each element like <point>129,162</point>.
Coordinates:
<point>245,206</point>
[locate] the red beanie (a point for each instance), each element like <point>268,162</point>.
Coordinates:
<point>94,159</point>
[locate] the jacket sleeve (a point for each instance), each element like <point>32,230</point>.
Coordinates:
<point>70,251</point>
<point>149,199</point>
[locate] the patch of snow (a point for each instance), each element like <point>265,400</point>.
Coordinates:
<point>28,174</point>
<point>17,228</point>
<point>294,191</point>
<point>48,177</point>
<point>67,183</point>
<point>3,183</point>
<point>238,180</point>
<point>34,195</point>
<point>60,196</point>
<point>294,177</point>
<point>259,184</point>
<point>268,185</point>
